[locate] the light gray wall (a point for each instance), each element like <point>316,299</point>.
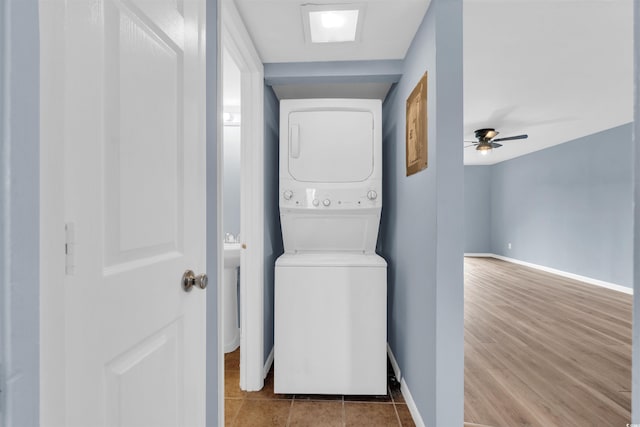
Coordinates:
<point>231,180</point>
<point>273,246</point>
<point>19,213</point>
<point>421,234</point>
<point>635,387</point>
<point>340,72</point>
<point>477,209</point>
<point>213,344</point>
<point>569,207</point>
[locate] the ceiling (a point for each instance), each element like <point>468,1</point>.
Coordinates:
<point>277,30</point>
<point>554,69</point>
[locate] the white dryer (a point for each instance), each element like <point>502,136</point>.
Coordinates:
<point>330,286</point>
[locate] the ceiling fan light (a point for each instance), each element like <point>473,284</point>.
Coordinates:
<point>491,134</point>
<point>484,148</point>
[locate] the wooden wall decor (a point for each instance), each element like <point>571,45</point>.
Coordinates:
<point>416,134</point>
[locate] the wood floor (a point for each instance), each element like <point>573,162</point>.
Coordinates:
<point>543,350</point>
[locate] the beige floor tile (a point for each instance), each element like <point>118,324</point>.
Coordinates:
<point>370,415</point>
<point>267,390</point>
<point>263,413</point>
<point>232,360</point>
<point>316,414</point>
<point>405,416</point>
<point>231,408</point>
<point>232,384</point>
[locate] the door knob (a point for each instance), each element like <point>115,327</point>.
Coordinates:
<point>189,280</point>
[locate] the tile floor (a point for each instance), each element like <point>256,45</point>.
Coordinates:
<point>265,408</point>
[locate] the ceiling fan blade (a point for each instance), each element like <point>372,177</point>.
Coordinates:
<point>494,145</point>
<point>511,138</point>
<point>472,145</point>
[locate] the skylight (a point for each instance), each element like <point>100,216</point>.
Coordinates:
<point>332,23</point>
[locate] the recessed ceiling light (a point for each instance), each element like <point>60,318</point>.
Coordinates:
<point>335,19</point>
<point>332,23</point>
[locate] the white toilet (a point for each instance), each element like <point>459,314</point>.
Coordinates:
<point>230,284</point>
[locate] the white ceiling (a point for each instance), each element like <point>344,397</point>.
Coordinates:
<point>554,69</point>
<point>277,30</point>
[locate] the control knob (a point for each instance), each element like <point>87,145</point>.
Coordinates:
<point>326,202</point>
<point>316,202</point>
<point>372,195</point>
<point>288,195</point>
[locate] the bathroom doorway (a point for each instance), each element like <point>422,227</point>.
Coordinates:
<point>237,44</point>
<point>231,147</point>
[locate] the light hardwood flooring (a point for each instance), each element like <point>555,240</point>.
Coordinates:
<point>543,350</point>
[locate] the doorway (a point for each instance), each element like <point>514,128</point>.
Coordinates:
<point>236,41</point>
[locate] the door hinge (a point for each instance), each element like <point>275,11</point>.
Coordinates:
<point>69,248</point>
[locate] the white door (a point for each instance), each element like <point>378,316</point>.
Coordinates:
<point>134,196</point>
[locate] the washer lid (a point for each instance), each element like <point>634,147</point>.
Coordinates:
<point>332,259</point>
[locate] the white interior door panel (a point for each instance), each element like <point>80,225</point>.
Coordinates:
<point>134,192</point>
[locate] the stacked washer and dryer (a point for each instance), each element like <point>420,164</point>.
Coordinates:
<point>330,286</point>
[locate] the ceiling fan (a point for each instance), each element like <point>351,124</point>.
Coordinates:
<point>486,141</point>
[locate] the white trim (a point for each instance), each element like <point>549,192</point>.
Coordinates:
<point>404,389</point>
<point>267,364</point>
<point>237,41</point>
<point>584,279</point>
<point>219,218</point>
<point>411,404</point>
<point>479,255</point>
<point>394,363</point>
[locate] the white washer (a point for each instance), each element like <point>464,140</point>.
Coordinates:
<point>331,324</point>
<point>330,286</point>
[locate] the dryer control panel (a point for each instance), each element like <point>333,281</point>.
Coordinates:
<point>333,198</point>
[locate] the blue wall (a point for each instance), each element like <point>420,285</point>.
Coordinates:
<point>273,246</point>
<point>20,213</point>
<point>477,209</point>
<point>567,207</point>
<point>421,234</point>
<point>231,180</point>
<point>214,342</point>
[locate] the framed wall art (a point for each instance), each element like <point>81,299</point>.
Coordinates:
<point>416,134</point>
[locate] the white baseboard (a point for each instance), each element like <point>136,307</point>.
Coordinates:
<point>479,255</point>
<point>268,363</point>
<point>404,388</point>
<point>566,274</point>
<point>411,405</point>
<point>394,363</point>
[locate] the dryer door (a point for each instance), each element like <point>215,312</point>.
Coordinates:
<point>330,145</point>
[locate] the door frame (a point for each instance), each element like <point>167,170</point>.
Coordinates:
<point>236,39</point>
